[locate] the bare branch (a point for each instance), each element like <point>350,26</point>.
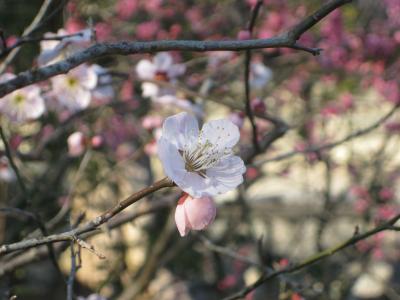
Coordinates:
<point>247,63</point>
<point>36,23</point>
<point>90,226</point>
<point>286,40</point>
<point>347,138</point>
<point>315,258</point>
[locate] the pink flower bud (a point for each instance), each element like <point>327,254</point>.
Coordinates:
<point>258,106</point>
<point>97,141</point>
<point>194,213</point>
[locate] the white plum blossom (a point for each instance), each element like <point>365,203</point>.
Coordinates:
<point>200,162</point>
<point>162,68</point>
<point>23,104</point>
<point>194,213</point>
<point>53,50</point>
<point>260,75</point>
<point>74,89</point>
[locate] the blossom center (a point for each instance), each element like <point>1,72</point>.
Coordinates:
<point>203,156</point>
<point>72,82</point>
<point>161,76</point>
<point>19,99</point>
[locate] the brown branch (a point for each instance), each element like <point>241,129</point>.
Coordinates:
<point>37,254</point>
<point>90,226</point>
<point>286,40</point>
<point>389,225</point>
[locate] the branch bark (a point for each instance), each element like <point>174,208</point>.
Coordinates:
<point>90,226</point>
<point>286,40</point>
<point>389,225</point>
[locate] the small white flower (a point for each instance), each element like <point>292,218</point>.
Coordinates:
<point>161,68</point>
<point>22,105</point>
<point>74,89</point>
<point>52,50</point>
<point>260,75</point>
<point>201,163</point>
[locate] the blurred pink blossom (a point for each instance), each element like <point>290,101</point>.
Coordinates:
<point>147,30</point>
<point>387,211</point>
<point>258,106</point>
<point>386,193</point>
<point>361,205</point>
<point>126,8</point>
<point>76,144</point>
<point>6,173</point>
<point>96,141</point>
<point>152,122</point>
<point>252,173</point>
<point>103,31</point>
<point>393,127</point>
<point>244,35</point>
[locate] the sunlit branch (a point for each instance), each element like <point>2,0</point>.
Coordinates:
<point>285,40</point>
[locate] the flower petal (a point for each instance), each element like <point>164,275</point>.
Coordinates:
<point>193,184</point>
<point>163,61</point>
<point>145,69</point>
<point>86,75</point>
<point>200,212</point>
<point>176,70</point>
<point>221,133</point>
<point>227,174</point>
<point>171,160</point>
<point>181,220</point>
<point>149,89</point>
<point>182,130</point>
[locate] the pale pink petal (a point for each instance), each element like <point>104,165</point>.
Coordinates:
<point>149,90</point>
<point>171,160</point>
<point>193,184</point>
<point>176,70</point>
<point>86,75</point>
<point>221,132</point>
<point>163,61</point>
<point>76,144</point>
<point>145,69</point>
<point>181,220</point>
<point>200,212</point>
<point>181,130</point>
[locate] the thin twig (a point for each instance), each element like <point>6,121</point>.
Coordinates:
<point>36,23</point>
<point>20,181</point>
<point>327,146</point>
<point>28,40</point>
<point>89,226</point>
<point>247,64</point>
<point>315,258</point>
<point>286,40</point>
